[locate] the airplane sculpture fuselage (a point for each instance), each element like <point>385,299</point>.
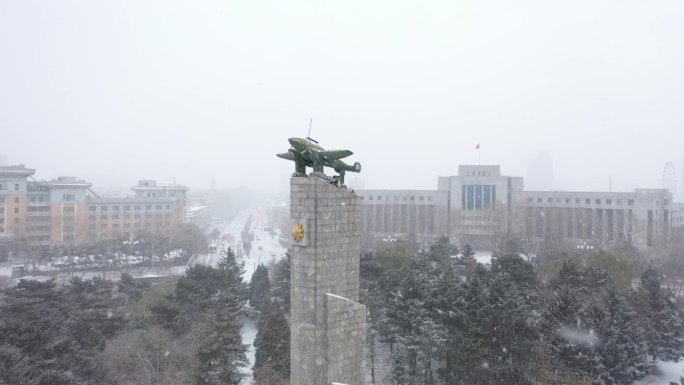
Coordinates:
<point>307,154</point>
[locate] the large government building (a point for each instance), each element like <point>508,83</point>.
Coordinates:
<point>68,210</point>
<point>479,206</point>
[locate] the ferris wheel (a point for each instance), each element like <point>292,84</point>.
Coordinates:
<point>669,180</point>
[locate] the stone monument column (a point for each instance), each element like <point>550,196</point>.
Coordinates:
<point>328,325</point>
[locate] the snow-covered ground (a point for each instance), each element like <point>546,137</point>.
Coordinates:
<point>668,372</point>
<point>249,331</point>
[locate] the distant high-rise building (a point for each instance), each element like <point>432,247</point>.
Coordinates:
<point>540,172</point>
<point>3,160</point>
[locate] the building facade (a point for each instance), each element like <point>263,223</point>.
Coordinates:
<point>68,210</point>
<point>642,217</point>
<point>479,206</point>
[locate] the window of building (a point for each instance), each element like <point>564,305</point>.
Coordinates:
<point>127,208</point>
<point>618,201</point>
<point>40,199</point>
<point>68,197</point>
<point>421,198</point>
<point>598,201</point>
<point>127,216</point>
<point>137,216</point>
<point>127,225</point>
<point>379,197</point>
<point>67,209</point>
<point>587,201</point>
<point>361,197</point>
<point>567,200</point>
<point>549,200</point>
<point>148,207</point>
<point>577,201</point>
<point>159,207</point>
<point>158,216</point>
<point>168,207</point>
<point>115,216</point>
<point>137,208</point>
<point>92,217</point>
<point>16,220</point>
<point>2,186</point>
<point>413,198</point>
<point>539,200</point>
<point>370,198</point>
<point>430,198</point>
<point>103,225</point>
<point>103,208</point>
<point>148,216</point>
<point>16,187</point>
<point>609,201</point>
<point>115,208</point>
<point>167,215</point>
<point>92,209</point>
<point>16,199</point>
<point>2,210</point>
<point>16,210</point>
<point>103,217</point>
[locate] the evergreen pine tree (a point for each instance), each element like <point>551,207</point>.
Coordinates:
<point>222,353</point>
<point>663,321</point>
<point>272,341</point>
<point>281,283</point>
<point>260,289</point>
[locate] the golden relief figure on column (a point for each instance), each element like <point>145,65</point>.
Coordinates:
<point>298,234</point>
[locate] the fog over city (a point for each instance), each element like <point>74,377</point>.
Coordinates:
<point>117,91</point>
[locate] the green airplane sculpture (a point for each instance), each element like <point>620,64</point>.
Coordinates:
<point>307,154</point>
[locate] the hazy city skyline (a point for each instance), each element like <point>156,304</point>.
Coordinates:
<point>119,91</point>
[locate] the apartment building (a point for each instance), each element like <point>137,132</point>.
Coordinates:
<point>66,209</point>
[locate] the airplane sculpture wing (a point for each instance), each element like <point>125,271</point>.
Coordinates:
<point>334,155</point>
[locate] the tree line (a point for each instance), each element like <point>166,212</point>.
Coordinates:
<point>450,320</point>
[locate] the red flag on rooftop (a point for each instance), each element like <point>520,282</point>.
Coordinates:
<point>478,146</point>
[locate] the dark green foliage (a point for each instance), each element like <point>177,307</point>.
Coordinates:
<point>491,326</point>
<point>50,335</point>
<point>169,314</point>
<point>222,353</point>
<point>260,289</point>
<point>441,250</point>
<point>272,341</point>
<point>134,289</point>
<point>662,319</point>
<point>281,284</point>
<point>592,329</point>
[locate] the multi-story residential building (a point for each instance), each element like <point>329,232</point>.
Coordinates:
<point>67,210</point>
<point>124,217</point>
<point>479,206</point>
<point>13,197</point>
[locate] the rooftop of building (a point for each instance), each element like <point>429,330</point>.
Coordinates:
<point>148,184</point>
<point>16,170</point>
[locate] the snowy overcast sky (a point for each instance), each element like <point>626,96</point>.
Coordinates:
<point>115,91</point>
